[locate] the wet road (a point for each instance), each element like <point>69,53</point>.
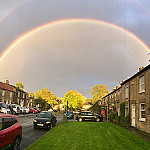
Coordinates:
<point>29,134</point>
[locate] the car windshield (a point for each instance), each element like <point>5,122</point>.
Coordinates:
<point>44,115</point>
<point>3,105</point>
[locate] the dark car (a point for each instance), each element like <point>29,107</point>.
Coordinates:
<point>45,119</point>
<point>88,116</point>
<point>10,132</point>
<point>69,114</point>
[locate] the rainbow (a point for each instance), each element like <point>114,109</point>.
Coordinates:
<point>53,23</point>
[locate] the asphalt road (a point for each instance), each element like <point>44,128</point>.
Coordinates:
<point>29,134</point>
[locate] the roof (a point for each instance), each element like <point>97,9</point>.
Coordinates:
<point>17,89</point>
<point>6,87</point>
<point>146,68</point>
<point>112,92</point>
<point>7,115</point>
<point>87,103</point>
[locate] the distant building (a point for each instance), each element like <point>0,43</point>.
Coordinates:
<point>59,105</point>
<point>86,106</point>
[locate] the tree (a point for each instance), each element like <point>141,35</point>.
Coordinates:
<point>19,85</point>
<point>98,92</point>
<point>46,95</point>
<point>75,99</point>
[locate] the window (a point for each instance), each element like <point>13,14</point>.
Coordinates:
<point>18,94</point>
<point>10,94</point>
<point>142,84</point>
<point>8,122</point>
<point>14,120</point>
<point>3,92</point>
<point>142,115</point>
<point>126,91</point>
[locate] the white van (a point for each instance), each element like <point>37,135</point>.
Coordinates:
<point>4,109</point>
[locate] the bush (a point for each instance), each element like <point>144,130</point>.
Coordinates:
<point>117,119</point>
<point>113,115</point>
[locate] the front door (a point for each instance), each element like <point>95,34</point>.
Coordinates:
<point>133,115</point>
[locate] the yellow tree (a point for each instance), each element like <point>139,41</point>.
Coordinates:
<point>98,92</point>
<point>46,95</point>
<point>75,99</point>
<point>19,85</point>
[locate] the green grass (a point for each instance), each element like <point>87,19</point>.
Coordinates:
<point>89,135</point>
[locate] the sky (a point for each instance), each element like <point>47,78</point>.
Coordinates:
<point>67,45</point>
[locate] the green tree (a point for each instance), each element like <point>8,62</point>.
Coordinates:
<point>19,85</point>
<point>98,92</point>
<point>75,99</point>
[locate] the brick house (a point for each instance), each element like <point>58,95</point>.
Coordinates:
<point>135,92</point>
<point>20,96</point>
<point>6,93</point>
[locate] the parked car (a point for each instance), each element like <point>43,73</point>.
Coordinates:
<point>14,108</point>
<point>69,114</point>
<point>88,116</point>
<point>22,109</point>
<point>36,108</point>
<point>34,111</point>
<point>27,110</point>
<point>4,109</point>
<point>10,132</point>
<point>45,119</point>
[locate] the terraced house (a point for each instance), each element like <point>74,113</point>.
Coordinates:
<point>10,94</point>
<point>135,92</point>
<point>6,93</point>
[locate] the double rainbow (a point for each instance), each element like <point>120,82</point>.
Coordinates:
<point>27,34</point>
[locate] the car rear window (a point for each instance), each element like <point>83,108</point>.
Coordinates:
<point>15,120</point>
<point>8,122</point>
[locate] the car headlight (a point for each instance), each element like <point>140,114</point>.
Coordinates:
<point>35,121</point>
<point>47,122</point>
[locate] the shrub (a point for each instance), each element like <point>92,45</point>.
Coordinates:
<point>113,115</point>
<point>117,119</point>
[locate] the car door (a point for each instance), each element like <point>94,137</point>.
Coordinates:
<point>91,116</point>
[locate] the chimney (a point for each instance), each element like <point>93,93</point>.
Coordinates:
<point>141,68</point>
<point>114,89</point>
<point>6,81</point>
<point>117,86</point>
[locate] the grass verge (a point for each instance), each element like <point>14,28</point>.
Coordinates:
<point>89,135</point>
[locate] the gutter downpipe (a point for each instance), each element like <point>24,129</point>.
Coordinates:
<point>129,103</point>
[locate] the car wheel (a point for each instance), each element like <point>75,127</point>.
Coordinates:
<point>49,127</point>
<point>97,119</point>
<point>16,143</point>
<point>80,119</point>
<point>35,127</point>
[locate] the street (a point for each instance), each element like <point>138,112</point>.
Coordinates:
<point>29,134</point>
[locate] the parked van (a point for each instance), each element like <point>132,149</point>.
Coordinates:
<point>4,109</point>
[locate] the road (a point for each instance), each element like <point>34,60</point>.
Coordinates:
<point>29,134</point>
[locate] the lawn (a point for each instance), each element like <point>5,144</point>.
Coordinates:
<point>89,135</point>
